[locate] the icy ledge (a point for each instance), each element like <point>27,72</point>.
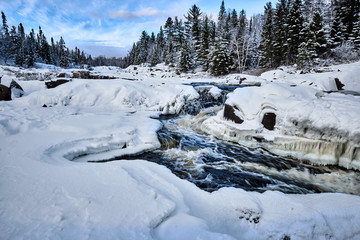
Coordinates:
<point>309,125</point>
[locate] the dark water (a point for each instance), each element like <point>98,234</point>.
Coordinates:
<point>212,164</point>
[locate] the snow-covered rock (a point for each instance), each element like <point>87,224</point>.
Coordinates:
<point>310,125</point>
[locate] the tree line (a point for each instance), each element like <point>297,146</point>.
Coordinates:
<point>302,32</point>
<point>22,49</point>
<point>306,33</point>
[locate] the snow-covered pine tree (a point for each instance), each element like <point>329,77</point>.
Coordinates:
<point>254,41</point>
<point>205,44</point>
<point>143,46</point>
<point>280,32</point>
<point>356,33</point>
<point>193,32</point>
<point>179,36</point>
<point>160,42</point>
<point>169,53</point>
<point>307,56</point>
<point>234,19</point>
<point>336,36</point>
<point>266,48</point>
<point>185,63</point>
<point>316,28</point>
<point>219,56</point>
<point>64,62</point>
<point>296,22</point>
<point>5,39</point>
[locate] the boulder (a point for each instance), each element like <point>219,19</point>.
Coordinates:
<point>16,89</point>
<point>81,74</point>
<point>61,75</point>
<point>269,121</point>
<point>5,93</point>
<point>339,85</point>
<point>54,84</point>
<point>229,114</point>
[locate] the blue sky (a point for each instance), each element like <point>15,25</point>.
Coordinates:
<point>108,27</point>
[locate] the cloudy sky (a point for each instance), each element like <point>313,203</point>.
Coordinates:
<point>108,27</point>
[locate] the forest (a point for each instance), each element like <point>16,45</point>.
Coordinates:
<point>307,33</point>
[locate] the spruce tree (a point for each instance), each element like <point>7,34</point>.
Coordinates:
<point>266,48</point>
<point>205,44</point>
<point>296,23</point>
<point>185,59</point>
<point>5,39</point>
<point>316,28</point>
<point>281,33</point>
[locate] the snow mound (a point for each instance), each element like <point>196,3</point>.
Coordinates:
<point>310,124</point>
<point>114,94</point>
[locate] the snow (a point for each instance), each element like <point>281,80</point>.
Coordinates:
<point>48,190</point>
<point>313,119</point>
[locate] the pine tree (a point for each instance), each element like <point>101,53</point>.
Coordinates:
<point>281,33</point>
<point>336,36</point>
<point>317,28</point>
<point>266,48</point>
<point>296,22</point>
<point>185,60</point>
<point>179,37</point>
<point>234,19</point>
<point>219,58</point>
<point>193,31</point>
<point>143,45</point>
<point>307,56</point>
<point>205,44</point>
<point>63,54</point>
<point>5,39</point>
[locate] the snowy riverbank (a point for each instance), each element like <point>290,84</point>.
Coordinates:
<point>45,194</point>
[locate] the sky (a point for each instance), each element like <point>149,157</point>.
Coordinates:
<point>108,27</point>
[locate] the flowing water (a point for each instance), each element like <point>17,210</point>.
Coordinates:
<point>211,164</point>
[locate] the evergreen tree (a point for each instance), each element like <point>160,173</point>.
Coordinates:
<point>205,44</point>
<point>234,19</point>
<point>281,33</point>
<point>316,28</point>
<point>193,31</point>
<point>219,59</point>
<point>5,39</point>
<point>336,36</point>
<point>219,56</point>
<point>143,46</point>
<point>179,36</point>
<point>266,57</point>
<point>185,59</point>
<point>307,56</point>
<point>296,23</point>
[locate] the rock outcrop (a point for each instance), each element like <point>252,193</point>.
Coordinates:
<point>269,121</point>
<point>54,84</point>
<point>16,90</point>
<point>229,114</point>
<point>5,93</point>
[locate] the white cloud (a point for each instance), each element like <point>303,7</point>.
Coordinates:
<point>144,12</point>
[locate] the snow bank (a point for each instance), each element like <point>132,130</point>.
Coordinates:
<point>47,191</point>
